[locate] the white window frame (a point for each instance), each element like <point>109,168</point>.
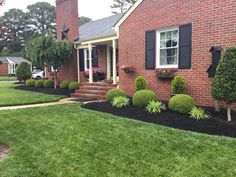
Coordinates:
<point>158,43</point>
<point>86,58</point>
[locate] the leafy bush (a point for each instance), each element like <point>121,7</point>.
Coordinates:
<point>224,83</point>
<point>115,92</point>
<point>181,103</point>
<point>23,71</point>
<point>48,84</point>
<point>155,107</point>
<point>39,83</point>
<point>199,114</point>
<point>65,84</point>
<point>140,83</point>
<point>120,102</point>
<point>178,85</point>
<point>30,83</point>
<point>74,85</point>
<point>143,97</point>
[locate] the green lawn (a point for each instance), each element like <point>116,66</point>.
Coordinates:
<point>6,78</point>
<point>10,96</point>
<point>67,141</point>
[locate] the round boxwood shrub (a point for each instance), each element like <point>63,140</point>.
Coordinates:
<point>142,98</point>
<point>30,83</point>
<point>39,83</point>
<point>65,84</point>
<point>140,83</point>
<point>178,85</point>
<point>181,103</point>
<point>74,85</point>
<point>115,92</point>
<point>48,84</point>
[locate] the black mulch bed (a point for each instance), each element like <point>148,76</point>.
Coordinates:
<point>51,91</point>
<point>217,125</point>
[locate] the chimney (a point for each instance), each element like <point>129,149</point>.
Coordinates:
<point>67,19</point>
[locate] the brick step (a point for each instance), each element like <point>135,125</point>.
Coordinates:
<point>91,87</point>
<point>89,96</point>
<point>82,90</point>
<point>100,84</point>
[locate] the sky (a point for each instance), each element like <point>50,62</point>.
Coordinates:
<point>94,9</point>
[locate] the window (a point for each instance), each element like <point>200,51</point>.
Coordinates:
<point>86,57</point>
<point>167,48</point>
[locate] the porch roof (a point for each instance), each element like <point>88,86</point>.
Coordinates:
<point>98,29</point>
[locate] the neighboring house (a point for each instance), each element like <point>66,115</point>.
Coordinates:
<point>8,65</point>
<point>152,36</point>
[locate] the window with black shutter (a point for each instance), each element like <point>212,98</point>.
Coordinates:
<point>81,59</point>
<point>185,46</point>
<point>150,58</point>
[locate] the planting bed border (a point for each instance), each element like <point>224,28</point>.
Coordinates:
<point>217,125</point>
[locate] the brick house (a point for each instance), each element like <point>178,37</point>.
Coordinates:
<point>152,36</point>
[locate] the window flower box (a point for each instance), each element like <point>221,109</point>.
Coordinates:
<point>166,74</point>
<point>128,69</point>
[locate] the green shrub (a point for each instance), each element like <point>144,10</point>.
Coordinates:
<point>115,92</point>
<point>120,102</point>
<point>23,71</point>
<point>48,84</point>
<point>154,107</point>
<point>65,84</point>
<point>74,85</point>
<point>199,114</point>
<point>140,83</point>
<point>178,85</point>
<point>143,97</point>
<point>30,83</point>
<point>181,103</point>
<point>39,83</point>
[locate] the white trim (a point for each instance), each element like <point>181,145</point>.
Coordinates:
<point>78,65</point>
<point>158,48</point>
<point>127,14</point>
<point>92,41</point>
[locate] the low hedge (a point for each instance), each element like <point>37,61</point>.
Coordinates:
<point>30,83</point>
<point>65,84</point>
<point>181,103</point>
<point>142,98</point>
<point>39,83</point>
<point>115,92</point>
<point>48,84</point>
<point>74,85</point>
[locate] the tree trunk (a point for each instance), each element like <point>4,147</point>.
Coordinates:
<point>55,79</point>
<point>229,114</point>
<point>217,106</point>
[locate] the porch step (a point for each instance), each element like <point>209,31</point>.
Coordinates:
<point>95,91</point>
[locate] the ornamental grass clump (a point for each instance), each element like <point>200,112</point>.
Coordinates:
<point>120,102</point>
<point>140,83</point>
<point>224,83</point>
<point>199,114</point>
<point>155,107</point>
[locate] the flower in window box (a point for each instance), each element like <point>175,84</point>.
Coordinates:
<point>165,74</point>
<point>128,69</point>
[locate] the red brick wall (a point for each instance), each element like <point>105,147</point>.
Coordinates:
<point>214,23</point>
<point>4,69</point>
<point>67,13</point>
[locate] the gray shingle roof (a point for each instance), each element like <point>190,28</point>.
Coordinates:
<point>98,29</point>
<point>16,60</point>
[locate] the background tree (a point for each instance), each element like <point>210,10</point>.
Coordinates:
<point>224,83</point>
<point>83,20</point>
<point>46,51</point>
<point>23,72</point>
<point>1,2</point>
<point>121,6</point>
<point>41,16</point>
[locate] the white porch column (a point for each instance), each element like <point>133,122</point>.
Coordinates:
<point>78,65</point>
<point>108,64</point>
<point>90,64</point>
<point>114,61</point>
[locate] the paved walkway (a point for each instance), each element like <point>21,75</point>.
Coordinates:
<point>62,101</point>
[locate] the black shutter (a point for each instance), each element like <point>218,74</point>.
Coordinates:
<point>95,57</point>
<point>81,59</point>
<point>150,58</point>
<point>185,46</point>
